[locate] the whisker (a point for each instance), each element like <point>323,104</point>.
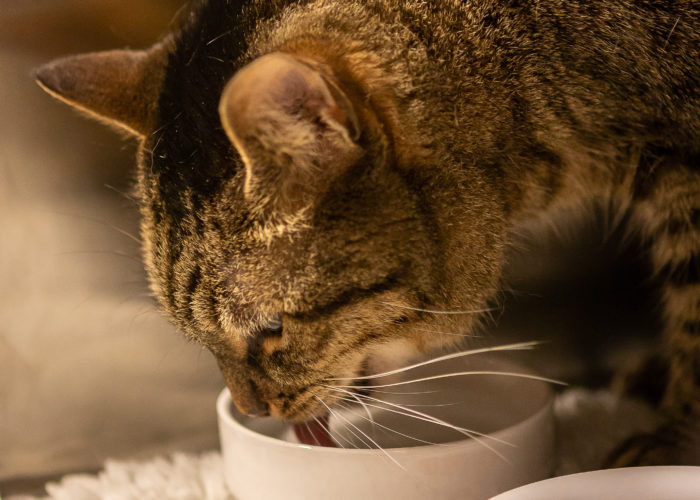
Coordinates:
<point>337,415</point>
<point>100,222</point>
<point>388,455</point>
<point>400,392</point>
<point>99,252</point>
<point>394,430</point>
<point>369,415</point>
<point>470,335</point>
<point>126,233</point>
<point>520,346</point>
<point>122,193</point>
<point>475,435</point>
<point>312,434</point>
<point>432,311</point>
<point>458,374</point>
<point>219,36</point>
<point>346,404</point>
<point>333,437</point>
<point>330,433</point>
<point>152,152</point>
<point>472,434</point>
<point>430,418</point>
<point>436,405</point>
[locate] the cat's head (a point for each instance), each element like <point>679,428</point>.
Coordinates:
<point>287,224</point>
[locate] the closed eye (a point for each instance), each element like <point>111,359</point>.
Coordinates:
<point>350,296</point>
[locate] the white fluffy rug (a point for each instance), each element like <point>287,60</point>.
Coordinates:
<point>589,424</point>
<point>179,477</point>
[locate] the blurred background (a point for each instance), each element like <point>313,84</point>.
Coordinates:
<point>90,369</point>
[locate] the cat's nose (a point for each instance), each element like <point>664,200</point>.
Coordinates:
<point>248,400</point>
<point>259,409</point>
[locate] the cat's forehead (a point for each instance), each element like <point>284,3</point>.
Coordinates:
<point>214,256</point>
<point>219,251</point>
<point>188,147</point>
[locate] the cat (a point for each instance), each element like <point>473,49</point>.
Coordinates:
<point>318,177</point>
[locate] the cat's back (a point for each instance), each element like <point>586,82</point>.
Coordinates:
<point>597,68</point>
<point>619,67</point>
<point>605,66</point>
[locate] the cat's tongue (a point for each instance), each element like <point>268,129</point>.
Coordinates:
<point>314,432</point>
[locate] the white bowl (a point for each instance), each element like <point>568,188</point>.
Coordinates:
<point>634,483</point>
<point>261,461</point>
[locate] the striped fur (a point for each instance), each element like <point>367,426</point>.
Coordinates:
<point>474,115</point>
<point>670,215</point>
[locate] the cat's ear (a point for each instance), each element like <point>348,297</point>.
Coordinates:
<point>120,87</point>
<point>293,127</point>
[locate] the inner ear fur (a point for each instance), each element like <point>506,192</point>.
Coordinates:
<point>294,128</point>
<point>120,87</point>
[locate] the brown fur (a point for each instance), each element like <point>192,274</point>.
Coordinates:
<point>119,87</point>
<point>472,116</point>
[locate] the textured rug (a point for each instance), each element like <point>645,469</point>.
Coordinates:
<point>178,477</point>
<point>589,424</point>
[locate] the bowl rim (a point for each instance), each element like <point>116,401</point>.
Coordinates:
<point>224,404</point>
<point>630,475</point>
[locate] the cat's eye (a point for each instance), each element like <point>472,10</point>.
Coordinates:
<point>270,330</point>
<point>273,326</point>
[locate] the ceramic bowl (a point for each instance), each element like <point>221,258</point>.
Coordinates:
<point>636,483</point>
<point>262,459</point>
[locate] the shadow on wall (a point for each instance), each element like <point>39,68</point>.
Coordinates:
<point>583,287</point>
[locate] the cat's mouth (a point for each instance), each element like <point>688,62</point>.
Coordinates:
<point>314,432</point>
<point>317,430</point>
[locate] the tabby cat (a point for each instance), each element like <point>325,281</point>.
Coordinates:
<point>317,176</point>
